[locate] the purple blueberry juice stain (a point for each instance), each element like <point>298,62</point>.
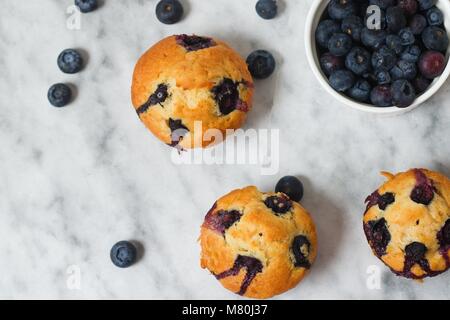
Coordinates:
<point>221,220</point>
<point>178,131</point>
<point>381,200</point>
<point>378,235</point>
<point>158,97</point>
<point>253,266</point>
<point>278,204</point>
<point>301,258</point>
<point>423,192</point>
<point>226,94</point>
<point>194,43</point>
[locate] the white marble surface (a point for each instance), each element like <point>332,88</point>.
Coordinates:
<point>74,181</point>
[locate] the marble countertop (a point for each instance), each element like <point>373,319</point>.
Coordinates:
<point>76,180</point>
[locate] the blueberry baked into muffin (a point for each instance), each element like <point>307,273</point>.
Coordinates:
<point>407,223</point>
<point>183,79</point>
<point>257,244</point>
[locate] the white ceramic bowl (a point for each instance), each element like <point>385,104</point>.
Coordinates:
<point>317,9</point>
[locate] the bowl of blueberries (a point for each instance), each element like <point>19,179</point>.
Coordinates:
<point>379,56</point>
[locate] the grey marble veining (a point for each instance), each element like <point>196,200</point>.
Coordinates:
<point>76,180</point>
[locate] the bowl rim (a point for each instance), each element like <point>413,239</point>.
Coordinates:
<point>311,55</point>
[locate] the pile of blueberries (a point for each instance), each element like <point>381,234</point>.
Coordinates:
<point>385,66</point>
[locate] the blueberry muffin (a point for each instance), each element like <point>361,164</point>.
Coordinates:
<point>183,79</point>
<point>407,223</point>
<point>257,244</point>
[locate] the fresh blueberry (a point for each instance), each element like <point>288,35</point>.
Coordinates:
<point>267,9</point>
<point>407,36</point>
<point>394,43</point>
<point>341,9</point>
<point>342,80</point>
<point>330,63</point>
<point>340,44</point>
<point>261,64</point>
<point>403,93</point>
<point>435,38</point>
<point>169,11</point>
<point>352,26</point>
<point>70,61</point>
<point>417,24</point>
<point>86,5</point>
<point>421,84</point>
<point>432,64</point>
<point>395,19</point>
<point>123,254</point>
<point>383,76</point>
<point>325,30</point>
<point>290,186</point>
<point>426,4</point>
<point>384,58</point>
<point>358,60</point>
<point>435,17</point>
<point>411,54</point>
<point>404,70</point>
<point>59,95</point>
<point>373,38</point>
<point>409,7</point>
<point>383,4</point>
<point>381,96</point>
<point>360,91</point>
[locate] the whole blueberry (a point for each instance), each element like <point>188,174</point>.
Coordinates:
<point>325,30</point>
<point>411,54</point>
<point>267,9</point>
<point>330,63</point>
<point>417,24</point>
<point>435,16</point>
<point>383,77</point>
<point>404,70</point>
<point>360,91</point>
<point>381,96</point>
<point>384,58</point>
<point>341,9</point>
<point>383,4</point>
<point>70,61</point>
<point>169,11</point>
<point>421,84</point>
<point>261,64</point>
<point>409,7</point>
<point>373,38</point>
<point>395,19</point>
<point>403,93</point>
<point>432,64</point>
<point>394,43</point>
<point>352,26</point>
<point>86,5</point>
<point>123,254</point>
<point>342,80</point>
<point>435,38</point>
<point>59,95</point>
<point>426,4</point>
<point>340,44</point>
<point>290,186</point>
<point>407,36</point>
<point>358,60</point>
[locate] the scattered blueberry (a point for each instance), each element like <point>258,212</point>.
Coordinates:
<point>330,63</point>
<point>383,76</point>
<point>341,9</point>
<point>267,9</point>
<point>409,7</point>
<point>384,58</point>
<point>426,4</point>
<point>404,70</point>
<point>381,96</point>
<point>435,38</point>
<point>340,44</point>
<point>123,254</point>
<point>325,30</point>
<point>403,93</point>
<point>290,186</point>
<point>395,19</point>
<point>411,54</point>
<point>358,61</point>
<point>59,95</point>
<point>169,11</point>
<point>432,64</point>
<point>373,38</point>
<point>70,61</point>
<point>342,80</point>
<point>417,24</point>
<point>360,91</point>
<point>394,43</point>
<point>261,64</point>
<point>407,36</point>
<point>352,26</point>
<point>86,5</point>
<point>435,17</point>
